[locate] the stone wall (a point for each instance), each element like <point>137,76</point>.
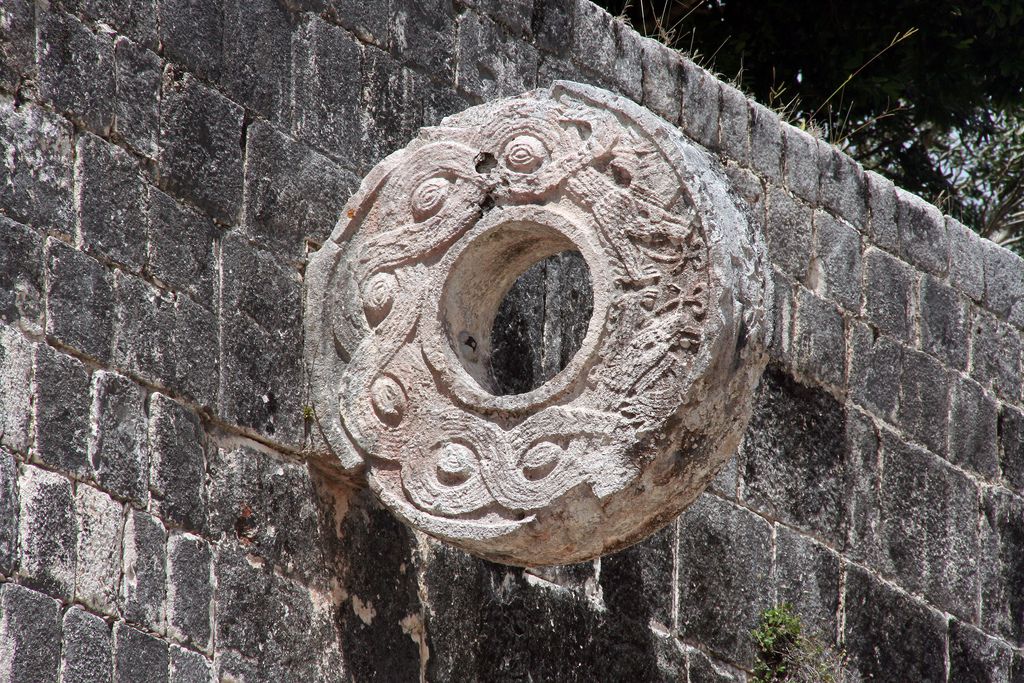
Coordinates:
<point>167,166</point>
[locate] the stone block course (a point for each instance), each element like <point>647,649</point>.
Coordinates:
<point>819,340</point>
<point>924,241</point>
<point>1011,448</point>
<point>189,589</point>
<point>257,57</point>
<point>178,450</point>
<point>889,288</point>
<point>701,105</point>
<point>112,202</point>
<point>30,630</point>
<point>21,275</point>
<point>606,48</point>
<point>1004,283</point>
<point>966,260</point>
<point>719,603</point>
<point>843,188</point>
<point>492,63</point>
<point>788,233</point>
<point>887,631</point>
<point>200,158</point>
<point>389,113</point>
<point>996,356</point>
<point>143,563</point>
<point>792,460</point>
<point>8,513</point>
<point>98,571</point>
<point>422,32</point>
<point>1002,571</point>
<point>61,420</point>
<point>836,264</point>
<point>48,531</point>
<point>182,249</point>
<point>36,182</point>
<point>138,656</point>
<point>801,163</point>
<point>662,79</point>
<point>76,70</point>
<point>973,429</point>
<point>17,361</point>
<point>86,655</point>
<point>79,302</point>
<point>292,194</point>
<point>187,666</point>
<point>923,411</point>
<point>735,125</point>
<point>328,90</point>
<point>137,75</point>
<point>945,327</point>
<point>192,34</point>
<point>765,143</point>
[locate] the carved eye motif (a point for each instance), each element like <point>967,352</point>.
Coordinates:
<point>378,295</point>
<point>454,464</point>
<point>429,197</point>
<point>525,154</point>
<point>388,400</point>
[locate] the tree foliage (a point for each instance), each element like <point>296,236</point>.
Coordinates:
<point>927,92</point>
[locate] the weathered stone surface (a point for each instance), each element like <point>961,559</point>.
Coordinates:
<point>457,464</point>
<point>662,79</point>
<point>890,636</point>
<point>138,656</point>
<point>888,294</point>
<point>21,275</point>
<point>819,340</point>
<point>17,43</point>
<point>973,429</point>
<point>789,233</point>
<point>875,369</point>
<point>98,571</point>
<point>79,303</point>
<point>1004,283</point>
<point>552,21</point>
<point>1002,569</point>
<point>61,388</point>
<point>182,245</point>
<point>192,34</point>
<point>8,513</point>
<point>1011,452</point>
<point>734,125</point>
<point>86,656</point>
<point>836,266</point>
<point>701,104</point>
<point>808,579</point>
<point>292,194</point>
<point>492,63</point>
<point>642,576</point>
<point>76,70</point>
<point>996,356</point>
<point>200,146</point>
<point>262,383</point>
<point>928,527</point>
<point>137,110</point>
<point>36,182</point>
<point>843,187</point>
<point>389,112</point>
<point>721,602</point>
<point>256,71</point>
<point>975,657</point>
<point>792,459</point>
<point>966,260</point>
<point>328,91</point>
<point>271,626</point>
<point>17,361</point>
<point>143,586</point>
<point>178,452</point>
<point>29,635</point>
<point>924,241</point>
<point>189,591</point>
<point>134,18</point>
<point>269,505</point>
<point>765,142</point>
<point>923,411</point>
<point>944,324</point>
<point>118,445</point>
<point>189,667</point>
<point>112,202</point>
<point>423,32</point>
<point>48,532</point>
<point>801,164</point>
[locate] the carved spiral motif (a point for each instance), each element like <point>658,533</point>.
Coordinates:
<point>402,299</point>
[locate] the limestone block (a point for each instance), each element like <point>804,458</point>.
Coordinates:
<point>401,302</point>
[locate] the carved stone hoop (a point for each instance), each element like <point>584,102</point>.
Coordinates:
<point>402,299</point>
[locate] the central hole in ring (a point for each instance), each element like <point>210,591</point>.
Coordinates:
<point>517,307</point>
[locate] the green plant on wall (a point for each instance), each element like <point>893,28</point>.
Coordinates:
<point>787,653</point>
